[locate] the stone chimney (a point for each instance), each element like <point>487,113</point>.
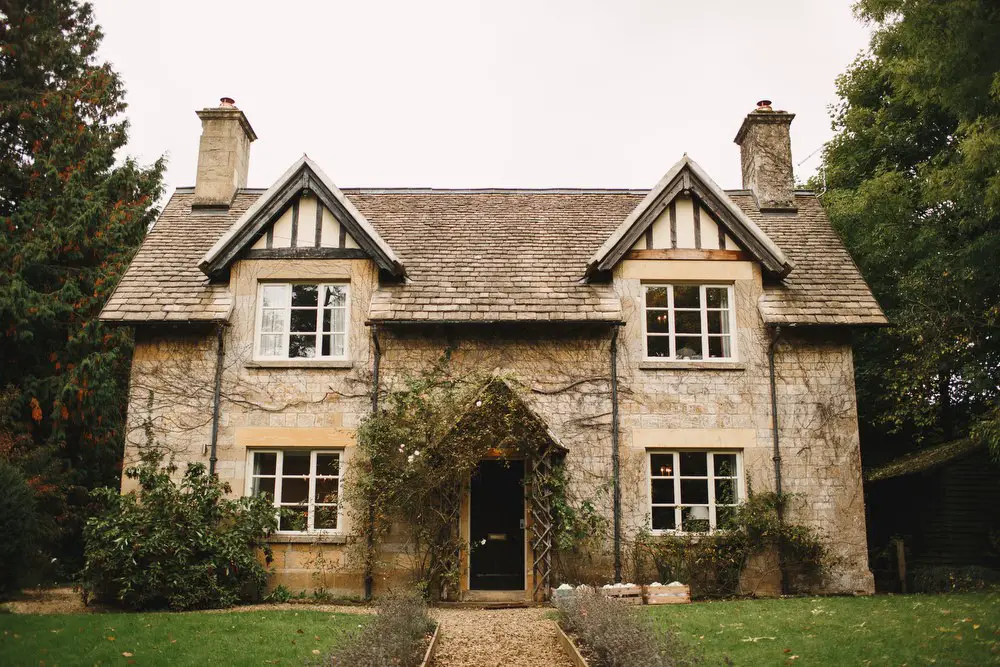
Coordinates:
<point>766,157</point>
<point>223,155</point>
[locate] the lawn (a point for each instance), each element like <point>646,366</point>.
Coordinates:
<point>955,629</point>
<point>201,638</point>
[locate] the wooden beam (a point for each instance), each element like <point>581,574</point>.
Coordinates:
<point>673,223</point>
<point>319,224</point>
<point>696,212</point>
<point>649,238</point>
<point>342,239</point>
<point>307,253</point>
<point>686,253</point>
<point>295,223</point>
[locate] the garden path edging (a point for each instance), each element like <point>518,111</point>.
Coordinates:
<point>571,650</point>
<point>432,647</point>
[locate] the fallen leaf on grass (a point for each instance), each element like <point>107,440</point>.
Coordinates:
<point>315,651</point>
<point>127,654</point>
<point>111,639</point>
<point>755,639</point>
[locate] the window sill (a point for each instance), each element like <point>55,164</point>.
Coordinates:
<point>653,365</point>
<point>307,538</point>
<point>301,363</point>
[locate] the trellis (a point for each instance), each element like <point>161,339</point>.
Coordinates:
<point>540,496</point>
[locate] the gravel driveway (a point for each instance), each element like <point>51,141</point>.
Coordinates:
<point>498,637</point>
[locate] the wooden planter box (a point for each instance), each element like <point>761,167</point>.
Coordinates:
<point>626,594</point>
<point>667,594</point>
<point>570,648</point>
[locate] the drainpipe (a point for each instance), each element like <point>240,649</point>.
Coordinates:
<point>776,333</point>
<point>615,462</point>
<point>219,357</point>
<point>376,360</point>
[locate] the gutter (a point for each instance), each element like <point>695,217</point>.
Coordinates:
<point>220,354</point>
<point>776,456</point>
<point>615,460</point>
<point>370,545</point>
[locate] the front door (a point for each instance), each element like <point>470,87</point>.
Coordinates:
<point>496,526</point>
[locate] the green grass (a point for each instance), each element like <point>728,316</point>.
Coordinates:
<point>237,638</point>
<point>954,629</point>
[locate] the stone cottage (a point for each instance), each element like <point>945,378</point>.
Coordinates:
<point>683,346</point>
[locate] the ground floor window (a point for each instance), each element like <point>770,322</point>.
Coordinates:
<point>307,482</point>
<point>694,491</point>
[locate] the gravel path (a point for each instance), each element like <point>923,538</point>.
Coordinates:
<point>498,637</point>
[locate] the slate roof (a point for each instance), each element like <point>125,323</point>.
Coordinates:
<point>488,256</point>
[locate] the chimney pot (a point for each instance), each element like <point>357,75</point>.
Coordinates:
<point>223,155</point>
<point>766,157</point>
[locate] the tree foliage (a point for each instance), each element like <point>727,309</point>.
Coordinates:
<point>19,527</point>
<point>176,546</point>
<point>913,179</point>
<point>71,215</point>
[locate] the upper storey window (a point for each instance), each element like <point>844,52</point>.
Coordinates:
<point>687,322</point>
<point>302,321</point>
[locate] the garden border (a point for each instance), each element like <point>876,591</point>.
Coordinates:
<point>432,647</point>
<point>571,650</point>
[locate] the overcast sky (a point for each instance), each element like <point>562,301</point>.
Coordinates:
<point>581,93</point>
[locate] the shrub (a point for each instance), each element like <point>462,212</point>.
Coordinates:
<point>945,579</point>
<point>713,564</point>
<point>18,524</point>
<point>396,637</point>
<point>177,546</point>
<point>614,634</point>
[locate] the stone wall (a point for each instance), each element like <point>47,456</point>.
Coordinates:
<point>563,374</point>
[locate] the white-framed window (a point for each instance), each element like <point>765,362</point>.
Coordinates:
<point>684,322</point>
<point>694,491</point>
<point>302,321</point>
<point>307,482</point>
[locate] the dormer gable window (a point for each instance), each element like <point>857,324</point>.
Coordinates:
<point>302,321</point>
<point>688,322</point>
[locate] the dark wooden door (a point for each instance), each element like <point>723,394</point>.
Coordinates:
<point>496,527</point>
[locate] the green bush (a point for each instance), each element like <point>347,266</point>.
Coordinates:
<point>613,634</point>
<point>396,637</point>
<point>176,546</point>
<point>18,528</point>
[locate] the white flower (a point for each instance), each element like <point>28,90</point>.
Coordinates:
<point>482,542</point>
<point>416,452</point>
<point>479,404</point>
<point>409,459</point>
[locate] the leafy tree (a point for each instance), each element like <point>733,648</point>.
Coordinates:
<point>71,216</point>
<point>19,527</point>
<point>914,188</point>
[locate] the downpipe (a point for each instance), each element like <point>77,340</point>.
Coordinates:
<point>370,544</point>
<point>776,455</point>
<point>615,459</point>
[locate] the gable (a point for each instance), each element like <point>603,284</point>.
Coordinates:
<point>685,223</point>
<point>305,223</point>
<point>302,215</point>
<point>687,210</point>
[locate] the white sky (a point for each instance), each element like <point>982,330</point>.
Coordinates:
<point>579,93</point>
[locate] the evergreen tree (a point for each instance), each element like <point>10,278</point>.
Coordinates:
<point>71,216</point>
<point>914,188</point>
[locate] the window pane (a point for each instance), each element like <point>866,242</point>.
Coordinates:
<point>695,519</point>
<point>274,296</point>
<point>693,491</point>
<point>297,519</point>
<point>294,490</point>
<point>725,465</point>
<point>305,295</point>
<point>326,518</point>
<point>303,320</point>
<point>663,491</point>
<point>658,321</point>
<point>664,518</point>
<point>300,346</point>
<point>720,347</point>
<point>263,485</point>
<point>718,321</point>
<point>336,344</point>
<point>725,491</point>
<point>270,345</point>
<point>658,346</point>
<point>693,464</point>
<point>687,296</point>
<point>339,315</point>
<point>688,347</point>
<point>265,463</point>
<point>656,297</point>
<point>717,297</point>
<point>295,463</point>
<point>687,322</point>
<point>327,490</point>
<point>328,464</point>
<point>272,320</point>
<point>336,295</point>
<point>661,464</point>
<point>724,517</point>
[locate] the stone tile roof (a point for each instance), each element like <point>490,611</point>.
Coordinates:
<point>490,255</point>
